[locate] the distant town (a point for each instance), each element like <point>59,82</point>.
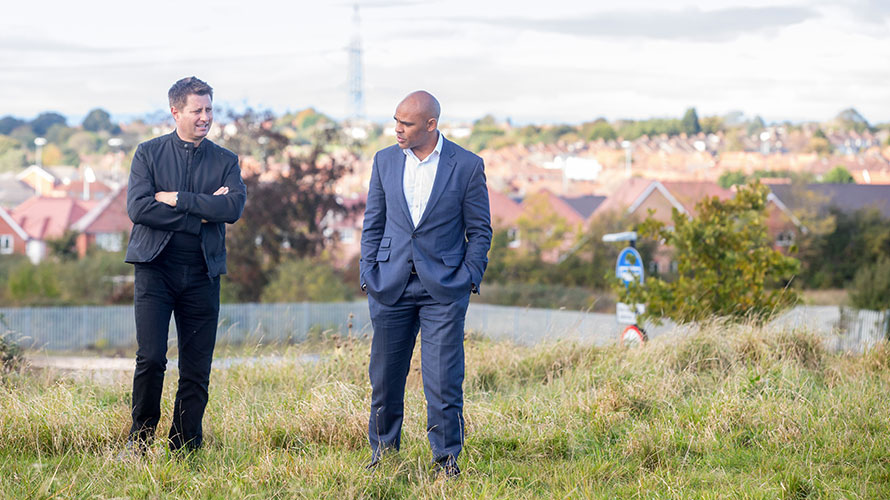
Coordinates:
<point>61,180</point>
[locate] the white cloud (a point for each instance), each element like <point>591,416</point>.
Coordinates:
<point>559,61</point>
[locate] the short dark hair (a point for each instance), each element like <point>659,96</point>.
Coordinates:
<point>181,90</point>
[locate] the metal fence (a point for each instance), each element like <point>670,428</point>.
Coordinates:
<point>76,328</point>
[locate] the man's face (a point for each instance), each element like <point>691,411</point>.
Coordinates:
<point>412,128</point>
<point>194,119</point>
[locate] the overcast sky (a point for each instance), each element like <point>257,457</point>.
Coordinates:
<point>551,61</point>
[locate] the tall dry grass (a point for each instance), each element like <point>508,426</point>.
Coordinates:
<point>721,411</point>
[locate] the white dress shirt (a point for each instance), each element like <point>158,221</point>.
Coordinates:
<point>419,178</point>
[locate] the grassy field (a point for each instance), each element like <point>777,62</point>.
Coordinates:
<point>727,412</point>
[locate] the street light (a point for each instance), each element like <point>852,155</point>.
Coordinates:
<point>627,148</point>
<point>39,142</point>
<point>116,143</point>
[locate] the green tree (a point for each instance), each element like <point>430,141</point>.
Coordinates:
<point>10,123</point>
<point>690,123</point>
<point>756,125</point>
<point>732,178</point>
<point>485,131</point>
<point>541,228</point>
<point>712,124</point>
<point>44,121</point>
<point>850,119</point>
<point>98,119</point>
<point>831,256</point>
<point>838,175</point>
<point>871,286</point>
<point>283,218</point>
<point>591,259</point>
<point>12,155</point>
<point>727,266</point>
<point>819,144</point>
<point>12,160</point>
<point>63,247</point>
<point>83,143</point>
<point>599,129</point>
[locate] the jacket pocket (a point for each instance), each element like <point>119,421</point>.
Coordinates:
<point>453,260</point>
<point>382,255</point>
<point>385,242</point>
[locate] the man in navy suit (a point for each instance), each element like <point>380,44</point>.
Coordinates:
<point>425,240</point>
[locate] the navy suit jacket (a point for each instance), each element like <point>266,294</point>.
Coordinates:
<point>449,246</point>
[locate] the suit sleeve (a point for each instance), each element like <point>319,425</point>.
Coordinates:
<point>375,219</point>
<point>220,208</point>
<point>477,219</point>
<point>144,209</point>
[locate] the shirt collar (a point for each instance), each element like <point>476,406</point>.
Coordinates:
<point>437,150</point>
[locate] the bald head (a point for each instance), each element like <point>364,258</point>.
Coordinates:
<point>424,102</point>
<point>417,119</point>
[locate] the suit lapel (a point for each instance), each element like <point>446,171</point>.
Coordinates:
<point>399,183</point>
<point>443,174</point>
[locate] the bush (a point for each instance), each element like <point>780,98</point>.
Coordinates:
<point>305,280</point>
<point>871,286</point>
<point>727,266</point>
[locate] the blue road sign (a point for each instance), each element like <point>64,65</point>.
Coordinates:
<point>630,266</point>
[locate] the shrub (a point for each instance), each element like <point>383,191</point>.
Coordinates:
<point>871,286</point>
<point>300,280</point>
<point>727,266</point>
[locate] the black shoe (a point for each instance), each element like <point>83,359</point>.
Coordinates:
<point>448,467</point>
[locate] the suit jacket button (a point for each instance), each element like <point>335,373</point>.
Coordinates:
<point>413,236</point>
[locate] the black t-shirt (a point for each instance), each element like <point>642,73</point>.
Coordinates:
<point>184,248</point>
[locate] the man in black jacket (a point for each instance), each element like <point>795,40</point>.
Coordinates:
<point>183,189</point>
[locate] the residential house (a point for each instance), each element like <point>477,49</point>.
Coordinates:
<point>13,191</point>
<point>637,196</point>
<point>63,182</point>
<point>346,230</point>
<point>39,179</point>
<point>504,214</point>
<point>96,190</point>
<point>584,205</point>
<point>105,226</point>
<point>45,218</point>
<point>13,239</point>
<point>846,197</point>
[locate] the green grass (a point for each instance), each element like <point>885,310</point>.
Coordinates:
<point>725,412</point>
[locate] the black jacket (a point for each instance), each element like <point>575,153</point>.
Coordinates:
<point>168,163</point>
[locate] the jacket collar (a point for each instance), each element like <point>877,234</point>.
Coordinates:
<point>179,143</point>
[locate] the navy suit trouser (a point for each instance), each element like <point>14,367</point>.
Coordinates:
<point>164,288</point>
<point>441,328</point>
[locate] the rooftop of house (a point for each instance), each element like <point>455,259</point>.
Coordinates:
<point>45,218</point>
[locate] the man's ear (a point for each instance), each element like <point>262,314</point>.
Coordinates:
<point>431,124</point>
<point>174,112</point>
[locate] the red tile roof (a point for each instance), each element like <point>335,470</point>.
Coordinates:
<point>688,193</point>
<point>504,211</point>
<point>108,216</point>
<point>562,208</point>
<point>623,196</point>
<point>43,217</point>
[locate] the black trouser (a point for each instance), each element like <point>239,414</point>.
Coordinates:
<point>186,291</point>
